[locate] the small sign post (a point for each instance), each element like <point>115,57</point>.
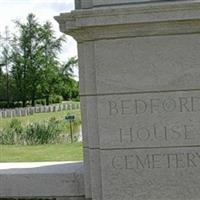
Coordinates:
<point>70,119</point>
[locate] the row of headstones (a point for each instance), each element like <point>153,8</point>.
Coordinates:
<point>20,112</point>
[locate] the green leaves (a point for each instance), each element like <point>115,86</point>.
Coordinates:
<point>34,69</point>
<point>35,65</point>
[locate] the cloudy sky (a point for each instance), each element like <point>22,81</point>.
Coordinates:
<point>44,10</point>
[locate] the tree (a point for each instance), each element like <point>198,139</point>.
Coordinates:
<point>5,62</point>
<point>31,68</point>
<point>2,86</point>
<point>70,86</point>
<point>27,59</point>
<point>52,46</point>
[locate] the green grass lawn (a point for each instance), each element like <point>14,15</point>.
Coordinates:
<point>39,153</point>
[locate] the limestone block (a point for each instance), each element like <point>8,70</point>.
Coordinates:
<point>81,4</point>
<point>42,180</point>
<point>87,173</point>
<point>118,2</point>
<point>159,173</point>
<point>148,64</point>
<point>153,119</point>
<point>140,77</point>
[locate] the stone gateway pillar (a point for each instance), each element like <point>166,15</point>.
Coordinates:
<point>140,97</point>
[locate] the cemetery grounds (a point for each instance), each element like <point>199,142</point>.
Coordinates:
<point>61,150</point>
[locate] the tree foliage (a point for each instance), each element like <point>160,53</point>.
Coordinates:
<point>5,59</point>
<point>70,86</point>
<point>34,69</point>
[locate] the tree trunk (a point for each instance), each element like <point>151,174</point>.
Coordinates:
<point>47,100</point>
<point>33,102</point>
<point>24,103</point>
<point>33,98</point>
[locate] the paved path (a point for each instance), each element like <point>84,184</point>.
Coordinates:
<point>40,167</point>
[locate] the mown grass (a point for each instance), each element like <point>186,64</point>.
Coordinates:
<point>55,152</point>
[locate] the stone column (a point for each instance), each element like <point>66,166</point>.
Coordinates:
<point>140,97</point>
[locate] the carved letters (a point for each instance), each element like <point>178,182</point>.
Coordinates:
<point>158,131</point>
<point>155,161</point>
<point>154,105</point>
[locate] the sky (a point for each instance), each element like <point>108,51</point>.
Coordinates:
<point>44,10</point>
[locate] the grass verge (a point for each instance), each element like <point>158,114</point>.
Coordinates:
<point>39,153</point>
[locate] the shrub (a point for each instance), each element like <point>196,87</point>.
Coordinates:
<point>56,99</point>
<point>42,133</point>
<point>77,99</point>
<point>40,102</point>
<point>3,104</point>
<point>18,104</point>
<point>13,134</point>
<point>45,132</point>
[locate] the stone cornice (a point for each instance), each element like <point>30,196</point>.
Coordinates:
<point>85,4</point>
<point>132,21</point>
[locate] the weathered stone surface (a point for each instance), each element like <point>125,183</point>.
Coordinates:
<point>148,64</point>
<point>148,117</point>
<point>87,173</point>
<point>82,4</point>
<point>89,117</point>
<point>95,174</point>
<point>118,2</point>
<point>144,174</point>
<point>91,146</point>
<point>41,180</point>
<point>140,77</point>
<point>44,198</point>
<point>161,119</point>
